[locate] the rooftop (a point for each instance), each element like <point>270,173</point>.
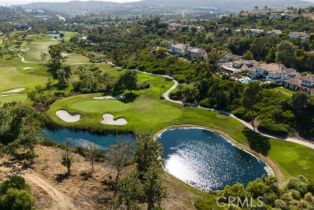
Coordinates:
<point>272,67</point>
<point>309,78</point>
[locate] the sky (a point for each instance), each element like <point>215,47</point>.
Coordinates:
<point>13,2</point>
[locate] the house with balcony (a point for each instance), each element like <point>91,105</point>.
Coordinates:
<point>179,49</point>
<point>197,53</point>
<point>299,35</point>
<point>305,84</point>
<point>273,72</point>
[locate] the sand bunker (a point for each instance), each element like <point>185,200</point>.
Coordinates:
<point>109,120</point>
<point>67,117</point>
<point>27,68</point>
<point>109,97</point>
<point>4,95</point>
<point>17,90</point>
<point>103,98</point>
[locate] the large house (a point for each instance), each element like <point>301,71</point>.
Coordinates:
<point>274,72</point>
<point>239,65</point>
<point>185,50</point>
<point>197,53</point>
<point>299,35</point>
<point>305,84</point>
<point>179,49</point>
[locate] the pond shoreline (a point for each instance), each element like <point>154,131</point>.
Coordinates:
<point>273,168</point>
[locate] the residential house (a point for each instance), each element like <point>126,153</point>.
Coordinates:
<point>273,72</point>
<point>179,49</point>
<point>239,66</point>
<point>175,26</point>
<point>299,35</point>
<point>274,32</point>
<point>305,84</point>
<point>197,53</point>
<point>256,32</point>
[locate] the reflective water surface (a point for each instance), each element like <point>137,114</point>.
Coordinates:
<point>207,160</point>
<point>85,138</point>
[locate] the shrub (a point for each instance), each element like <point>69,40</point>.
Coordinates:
<point>145,85</point>
<point>16,200</point>
<point>14,194</point>
<point>269,126</point>
<point>208,102</point>
<point>244,114</point>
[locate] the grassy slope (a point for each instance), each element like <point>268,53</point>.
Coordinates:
<point>147,112</point>
<point>14,75</point>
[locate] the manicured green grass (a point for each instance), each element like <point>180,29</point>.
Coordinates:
<point>284,91</point>
<point>13,97</point>
<point>148,112</point>
<point>35,48</point>
<point>16,77</point>
<point>76,58</point>
<point>98,106</point>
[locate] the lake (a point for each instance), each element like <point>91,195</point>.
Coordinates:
<point>85,138</point>
<point>198,157</point>
<point>207,160</point>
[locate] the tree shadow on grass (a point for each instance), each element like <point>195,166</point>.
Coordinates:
<point>257,142</point>
<point>129,97</point>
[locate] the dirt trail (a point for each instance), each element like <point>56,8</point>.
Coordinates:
<point>62,201</point>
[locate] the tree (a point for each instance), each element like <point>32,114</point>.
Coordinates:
<point>147,153</point>
<point>56,60</point>
<point>63,76</point>
<point>286,53</point>
<point>130,190</point>
<point>250,98</point>
<point>248,55</point>
<point>67,159</point>
<point>271,56</point>
<point>55,65</point>
<point>299,101</point>
<point>153,186</point>
<point>15,194</point>
<point>119,156</point>
<point>128,80</point>
<point>92,153</point>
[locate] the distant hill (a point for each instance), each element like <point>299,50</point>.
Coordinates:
<point>101,6</point>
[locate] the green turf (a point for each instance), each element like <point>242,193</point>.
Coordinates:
<point>12,98</point>
<point>147,112</point>
<point>17,77</point>
<point>98,106</point>
<point>76,58</point>
<point>284,91</point>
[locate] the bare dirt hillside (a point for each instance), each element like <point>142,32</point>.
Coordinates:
<point>52,191</point>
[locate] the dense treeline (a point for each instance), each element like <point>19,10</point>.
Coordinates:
<point>143,45</point>
<point>262,193</point>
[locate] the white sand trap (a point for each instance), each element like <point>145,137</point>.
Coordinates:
<point>27,68</point>
<point>109,120</point>
<point>67,117</point>
<point>17,90</point>
<point>103,98</point>
<point>4,95</point>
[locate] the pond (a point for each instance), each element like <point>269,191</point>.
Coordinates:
<point>206,160</point>
<point>85,138</point>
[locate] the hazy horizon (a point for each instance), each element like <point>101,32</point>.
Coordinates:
<point>17,2</point>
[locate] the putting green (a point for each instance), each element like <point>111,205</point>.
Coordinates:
<point>98,106</point>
